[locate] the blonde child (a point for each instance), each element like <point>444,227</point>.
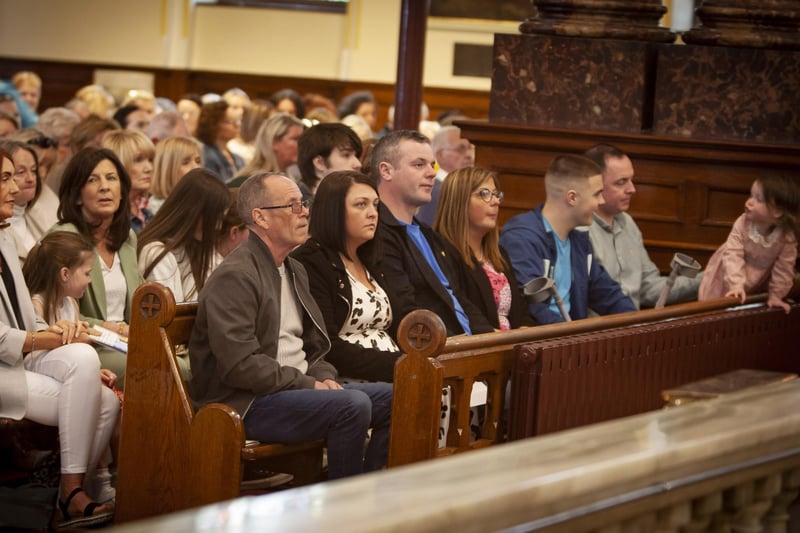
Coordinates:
<point>57,271</point>
<point>761,249</point>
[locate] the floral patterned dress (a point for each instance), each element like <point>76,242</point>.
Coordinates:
<point>370,317</point>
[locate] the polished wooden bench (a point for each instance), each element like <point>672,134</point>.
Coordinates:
<point>19,440</point>
<point>576,373</point>
<point>171,457</point>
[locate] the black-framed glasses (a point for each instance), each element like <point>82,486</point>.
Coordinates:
<point>297,206</point>
<point>43,142</point>
<point>486,195</point>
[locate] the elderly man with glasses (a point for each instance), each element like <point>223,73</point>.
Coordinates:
<point>259,342</point>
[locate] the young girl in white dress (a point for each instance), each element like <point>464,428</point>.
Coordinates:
<point>57,271</point>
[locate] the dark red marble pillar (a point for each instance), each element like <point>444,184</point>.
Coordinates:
<point>612,19</point>
<point>773,24</point>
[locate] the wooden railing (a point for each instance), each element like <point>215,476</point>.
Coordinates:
<point>433,361</point>
<point>729,464</point>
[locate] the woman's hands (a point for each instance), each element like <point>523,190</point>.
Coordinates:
<point>120,328</point>
<point>71,331</point>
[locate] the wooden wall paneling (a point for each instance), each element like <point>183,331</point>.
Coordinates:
<point>690,192</point>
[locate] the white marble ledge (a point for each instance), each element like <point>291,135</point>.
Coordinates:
<point>524,481</point>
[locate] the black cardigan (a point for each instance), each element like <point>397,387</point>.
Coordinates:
<point>412,283</point>
<point>330,287</point>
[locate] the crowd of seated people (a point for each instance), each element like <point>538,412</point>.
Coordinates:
<point>303,256</point>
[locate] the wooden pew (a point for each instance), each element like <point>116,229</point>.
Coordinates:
<point>546,396</point>
<point>171,457</point>
<point>728,464</point>
<point>18,440</point>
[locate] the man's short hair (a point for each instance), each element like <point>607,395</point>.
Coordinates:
<point>566,171</point>
<point>386,149</point>
<point>441,139</point>
<point>162,125</point>
<point>321,139</point>
<point>251,195</point>
<point>600,153</point>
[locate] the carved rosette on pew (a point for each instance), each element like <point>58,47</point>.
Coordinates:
<point>418,380</point>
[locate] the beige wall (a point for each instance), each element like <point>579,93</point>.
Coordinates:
<point>360,46</point>
<point>83,30</point>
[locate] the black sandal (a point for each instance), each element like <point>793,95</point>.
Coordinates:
<point>88,519</point>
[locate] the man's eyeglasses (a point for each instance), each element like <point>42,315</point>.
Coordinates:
<point>486,195</point>
<point>462,148</point>
<point>297,207</point>
<point>43,142</point>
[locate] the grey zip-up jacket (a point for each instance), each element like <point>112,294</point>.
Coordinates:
<point>234,342</point>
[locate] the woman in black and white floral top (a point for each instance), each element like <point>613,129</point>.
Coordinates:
<point>357,310</point>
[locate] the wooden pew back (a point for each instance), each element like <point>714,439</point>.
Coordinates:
<point>160,430</point>
<point>587,378</point>
<point>432,361</point>
<point>171,457</point>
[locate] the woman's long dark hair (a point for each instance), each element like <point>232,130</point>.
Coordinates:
<point>199,198</point>
<point>77,173</point>
<point>328,214</point>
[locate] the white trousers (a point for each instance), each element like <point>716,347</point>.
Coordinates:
<point>64,390</point>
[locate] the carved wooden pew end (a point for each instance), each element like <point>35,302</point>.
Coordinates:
<point>170,456</point>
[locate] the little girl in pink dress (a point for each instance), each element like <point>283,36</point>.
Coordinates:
<point>761,249</point>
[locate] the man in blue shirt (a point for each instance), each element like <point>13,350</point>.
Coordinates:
<point>421,269</point>
<point>548,242</point>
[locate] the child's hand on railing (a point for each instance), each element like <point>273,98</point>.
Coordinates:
<point>774,301</point>
<point>737,293</point>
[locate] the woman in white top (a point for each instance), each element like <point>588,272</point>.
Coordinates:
<point>177,248</point>
<point>50,375</point>
<point>94,196</point>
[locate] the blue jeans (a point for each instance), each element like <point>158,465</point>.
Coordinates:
<point>340,416</point>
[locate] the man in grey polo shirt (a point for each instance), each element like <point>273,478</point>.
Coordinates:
<point>617,241</point>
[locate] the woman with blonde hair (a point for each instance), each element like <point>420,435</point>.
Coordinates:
<point>276,147</point>
<point>469,204</point>
<point>97,98</point>
<point>136,152</point>
<point>175,156</point>
<point>254,116</point>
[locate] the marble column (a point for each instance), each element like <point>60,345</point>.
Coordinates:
<point>737,79</point>
<point>613,19</point>
<point>773,24</point>
<point>584,64</point>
